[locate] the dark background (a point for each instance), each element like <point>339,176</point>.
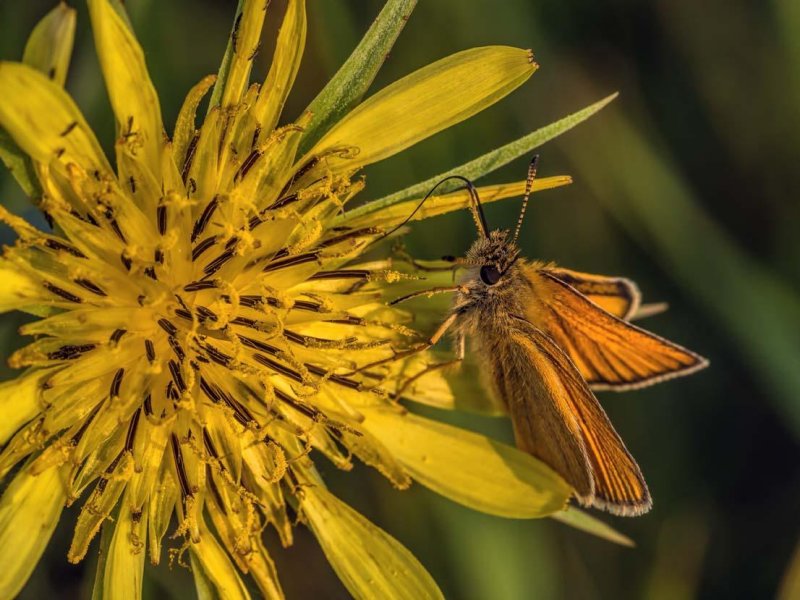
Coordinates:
<point>687,184</point>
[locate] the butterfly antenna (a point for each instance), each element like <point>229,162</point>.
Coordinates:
<point>528,188</point>
<point>475,206</point>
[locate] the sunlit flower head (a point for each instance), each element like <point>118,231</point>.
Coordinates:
<point>207,307</point>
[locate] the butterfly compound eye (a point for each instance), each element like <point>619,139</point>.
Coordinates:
<point>490,274</point>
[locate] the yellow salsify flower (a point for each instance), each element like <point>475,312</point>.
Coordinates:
<point>205,308</point>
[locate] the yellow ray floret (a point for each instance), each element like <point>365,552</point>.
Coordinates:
<point>208,312</point>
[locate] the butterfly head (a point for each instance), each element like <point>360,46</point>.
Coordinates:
<point>496,252</point>
<point>493,256</point>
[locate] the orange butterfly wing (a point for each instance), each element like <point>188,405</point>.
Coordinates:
<point>548,397</point>
<point>545,426</point>
<point>616,295</point>
<point>609,353</point>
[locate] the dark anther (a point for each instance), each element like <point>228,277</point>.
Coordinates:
<point>69,129</point>
<point>205,217</point>
<point>176,348</point>
<point>203,246</point>
<point>161,217</point>
<point>70,351</point>
<point>62,293</point>
<point>116,383</point>
<point>92,287</point>
<point>196,286</point>
<point>54,244</point>
<point>167,326</point>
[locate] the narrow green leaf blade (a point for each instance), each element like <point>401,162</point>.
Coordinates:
<point>351,81</point>
<point>491,161</point>
<point>587,523</point>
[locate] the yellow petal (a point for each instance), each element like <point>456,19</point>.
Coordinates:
<point>469,468</point>
<point>94,513</point>
<point>130,90</point>
<point>148,455</point>
<point>161,507</point>
<point>49,46</point>
<point>44,121</point>
<point>18,290</point>
<point>215,568</point>
<point>29,512</point>
<point>185,126</point>
<point>579,519</point>
<point>439,205</point>
<point>288,53</point>
<point>448,388</point>
<point>426,102</point>
<point>371,452</point>
<point>124,565</point>
<point>370,562</point>
<point>203,172</point>
<point>245,39</point>
<point>263,570</point>
<point>20,401</point>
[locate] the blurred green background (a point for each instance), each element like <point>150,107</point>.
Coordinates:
<point>688,184</point>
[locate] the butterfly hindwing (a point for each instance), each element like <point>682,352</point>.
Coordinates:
<point>544,424</point>
<point>617,482</point>
<point>616,295</point>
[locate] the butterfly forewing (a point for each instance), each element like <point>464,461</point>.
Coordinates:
<point>609,353</point>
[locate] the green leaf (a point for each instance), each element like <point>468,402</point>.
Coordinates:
<point>585,522</point>
<point>491,161</point>
<point>346,88</point>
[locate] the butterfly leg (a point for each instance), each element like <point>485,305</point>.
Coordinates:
<point>421,347</point>
<point>430,292</point>
<point>461,343</point>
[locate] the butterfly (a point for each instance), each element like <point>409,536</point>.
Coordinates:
<point>544,337</point>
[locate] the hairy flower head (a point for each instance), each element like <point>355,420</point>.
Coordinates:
<point>207,307</point>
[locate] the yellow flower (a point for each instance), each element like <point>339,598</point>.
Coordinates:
<point>205,306</point>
